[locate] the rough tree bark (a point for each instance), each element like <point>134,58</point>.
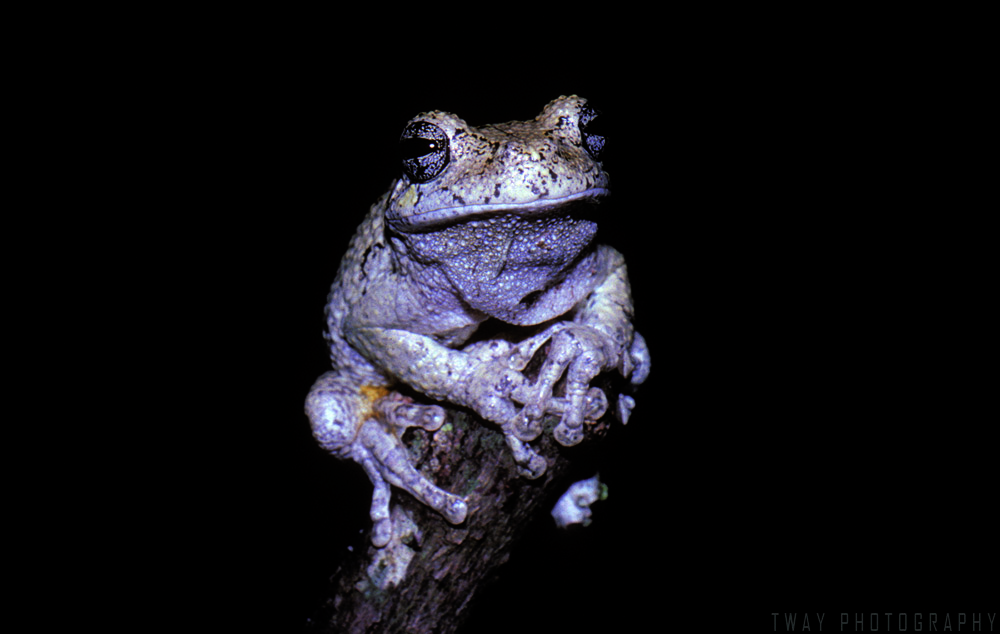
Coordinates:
<point>446,564</point>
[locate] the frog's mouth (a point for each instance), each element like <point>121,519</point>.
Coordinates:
<point>434,218</point>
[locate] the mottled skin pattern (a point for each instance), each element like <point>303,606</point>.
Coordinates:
<point>485,223</point>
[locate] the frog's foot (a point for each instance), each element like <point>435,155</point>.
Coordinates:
<point>365,423</point>
<point>580,353</point>
<point>386,462</point>
<point>526,425</point>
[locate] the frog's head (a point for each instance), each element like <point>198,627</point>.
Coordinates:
<point>453,172</point>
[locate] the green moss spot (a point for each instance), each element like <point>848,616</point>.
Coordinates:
<point>491,441</point>
<point>417,443</point>
<point>461,421</point>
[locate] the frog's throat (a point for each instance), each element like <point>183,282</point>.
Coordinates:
<point>446,215</point>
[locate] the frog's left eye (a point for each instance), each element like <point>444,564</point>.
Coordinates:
<point>590,132</point>
<point>423,148</point>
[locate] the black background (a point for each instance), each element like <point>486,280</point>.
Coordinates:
<point>806,439</point>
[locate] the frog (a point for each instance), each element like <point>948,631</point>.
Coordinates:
<point>489,224</point>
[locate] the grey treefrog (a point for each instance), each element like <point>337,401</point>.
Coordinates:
<point>495,222</point>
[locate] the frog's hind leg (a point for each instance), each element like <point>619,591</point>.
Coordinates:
<point>365,423</point>
<point>382,525</point>
<point>335,408</point>
<point>394,466</point>
<point>400,412</point>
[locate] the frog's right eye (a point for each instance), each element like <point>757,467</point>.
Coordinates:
<point>423,148</point>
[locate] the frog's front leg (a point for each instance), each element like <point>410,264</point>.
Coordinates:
<point>479,377</point>
<point>578,352</point>
<point>500,353</point>
<point>440,372</point>
<point>599,338</point>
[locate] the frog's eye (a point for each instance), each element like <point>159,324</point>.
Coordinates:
<point>590,131</point>
<point>423,148</point>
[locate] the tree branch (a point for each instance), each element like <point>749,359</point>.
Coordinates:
<point>426,583</point>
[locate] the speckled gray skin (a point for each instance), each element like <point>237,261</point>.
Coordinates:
<point>485,223</point>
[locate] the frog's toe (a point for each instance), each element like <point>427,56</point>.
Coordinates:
<point>530,464</point>
<point>455,510</point>
<point>595,404</point>
<point>526,425</point>
<point>402,414</point>
<point>566,435</point>
<point>534,468</point>
<point>381,532</point>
